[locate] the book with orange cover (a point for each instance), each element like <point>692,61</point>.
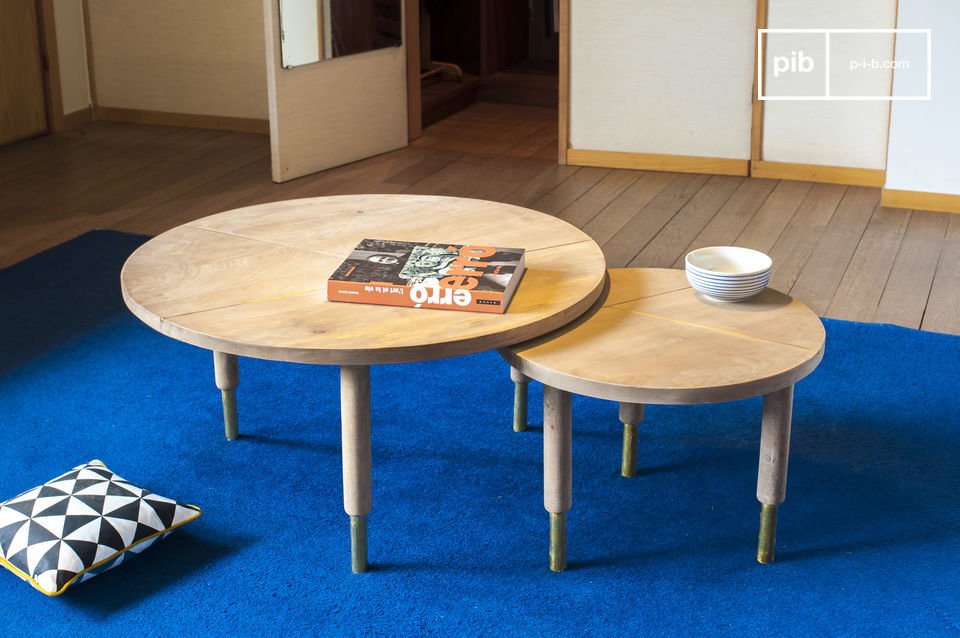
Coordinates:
<point>428,275</point>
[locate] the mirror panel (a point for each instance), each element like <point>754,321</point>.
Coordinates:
<point>314,30</point>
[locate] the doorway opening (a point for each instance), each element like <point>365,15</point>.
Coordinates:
<point>487,50</point>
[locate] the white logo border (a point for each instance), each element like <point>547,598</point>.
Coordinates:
<point>827,32</point>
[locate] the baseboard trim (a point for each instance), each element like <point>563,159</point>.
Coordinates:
<point>917,200</point>
<point>657,162</point>
<point>188,120</point>
<point>817,173</point>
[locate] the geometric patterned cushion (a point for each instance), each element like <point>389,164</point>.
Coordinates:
<point>81,524</point>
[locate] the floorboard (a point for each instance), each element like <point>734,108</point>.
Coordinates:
<point>820,276</point>
<point>908,286</point>
<point>626,244</point>
<point>549,177</point>
<point>588,205</point>
<point>800,237</point>
<point>732,218</point>
<point>859,292</point>
<point>666,247</point>
<point>506,174</point>
<point>569,190</point>
<point>774,215</point>
<point>612,218</point>
<point>942,313</point>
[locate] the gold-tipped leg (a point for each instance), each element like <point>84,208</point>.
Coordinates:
<point>631,414</point>
<point>520,406</point>
<point>226,372</point>
<point>628,466</point>
<point>558,541</point>
<point>768,533</point>
<point>358,544</point>
<point>230,426</point>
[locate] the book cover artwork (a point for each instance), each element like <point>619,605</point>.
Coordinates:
<point>428,275</point>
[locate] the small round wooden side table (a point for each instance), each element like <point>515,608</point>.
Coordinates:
<point>252,282</point>
<point>653,339</point>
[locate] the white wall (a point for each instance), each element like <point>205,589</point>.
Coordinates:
<point>180,56</point>
<point>829,133</point>
<point>924,152</point>
<point>72,55</point>
<point>665,77</point>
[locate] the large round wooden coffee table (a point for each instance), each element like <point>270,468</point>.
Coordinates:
<point>252,282</point>
<point>653,339</point>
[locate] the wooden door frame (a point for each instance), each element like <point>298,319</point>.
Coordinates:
<point>563,115</point>
<point>756,123</point>
<point>411,37</point>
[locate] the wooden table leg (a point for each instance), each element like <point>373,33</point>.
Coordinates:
<point>772,476</point>
<point>520,383</point>
<point>357,464</point>
<point>227,374</point>
<point>631,414</point>
<point>557,470</point>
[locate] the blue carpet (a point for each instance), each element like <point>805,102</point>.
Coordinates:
<point>867,539</point>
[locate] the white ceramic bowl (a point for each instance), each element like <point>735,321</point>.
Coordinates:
<point>728,261</point>
<point>728,273</point>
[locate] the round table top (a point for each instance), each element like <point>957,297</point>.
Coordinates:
<point>653,339</point>
<point>252,281</point>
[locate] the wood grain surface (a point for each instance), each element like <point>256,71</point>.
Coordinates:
<point>252,281</point>
<point>655,340</point>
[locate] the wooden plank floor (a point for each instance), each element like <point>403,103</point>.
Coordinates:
<point>834,247</point>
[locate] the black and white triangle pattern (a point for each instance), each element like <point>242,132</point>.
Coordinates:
<point>80,524</point>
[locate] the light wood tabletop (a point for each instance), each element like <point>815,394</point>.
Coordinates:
<point>252,282</point>
<point>653,339</point>
<point>656,340</point>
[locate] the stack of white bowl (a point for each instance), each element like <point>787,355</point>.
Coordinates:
<point>728,273</point>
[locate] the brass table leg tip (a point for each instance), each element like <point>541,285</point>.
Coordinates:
<point>230,421</point>
<point>766,544</point>
<point>519,407</point>
<point>558,541</point>
<point>358,544</point>
<point>628,462</point>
